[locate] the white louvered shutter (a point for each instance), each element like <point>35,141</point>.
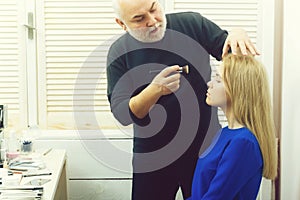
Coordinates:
<point>77,35</point>
<point>227,14</point>
<point>12,62</point>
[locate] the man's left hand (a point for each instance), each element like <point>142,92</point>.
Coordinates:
<point>239,38</point>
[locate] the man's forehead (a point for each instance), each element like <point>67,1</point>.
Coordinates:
<point>136,7</point>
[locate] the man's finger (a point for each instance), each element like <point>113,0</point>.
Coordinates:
<point>252,48</point>
<point>225,49</point>
<point>242,46</point>
<point>172,78</point>
<point>234,45</point>
<point>168,70</point>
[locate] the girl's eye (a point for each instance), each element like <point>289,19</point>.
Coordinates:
<point>218,78</point>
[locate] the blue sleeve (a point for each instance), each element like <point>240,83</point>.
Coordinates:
<point>233,169</point>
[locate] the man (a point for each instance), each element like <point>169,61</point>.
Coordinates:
<point>146,87</point>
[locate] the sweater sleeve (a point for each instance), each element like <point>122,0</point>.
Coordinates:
<point>118,87</point>
<point>240,160</point>
<point>210,35</point>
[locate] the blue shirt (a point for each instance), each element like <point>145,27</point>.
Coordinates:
<point>231,168</point>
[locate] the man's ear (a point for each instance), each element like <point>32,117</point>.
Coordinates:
<point>121,24</point>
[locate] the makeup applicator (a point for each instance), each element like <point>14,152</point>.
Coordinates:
<point>184,69</point>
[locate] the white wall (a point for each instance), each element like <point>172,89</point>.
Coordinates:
<point>91,175</point>
<point>290,137</point>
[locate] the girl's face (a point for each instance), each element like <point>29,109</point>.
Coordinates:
<point>216,93</point>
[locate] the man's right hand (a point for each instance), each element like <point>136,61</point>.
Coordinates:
<point>168,80</point>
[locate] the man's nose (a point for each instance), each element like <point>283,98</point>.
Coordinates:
<point>152,20</point>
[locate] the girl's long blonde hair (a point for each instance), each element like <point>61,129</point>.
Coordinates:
<point>247,88</point>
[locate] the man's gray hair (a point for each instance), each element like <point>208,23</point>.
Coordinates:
<point>116,7</point>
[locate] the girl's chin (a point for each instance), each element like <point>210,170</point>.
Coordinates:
<point>208,101</point>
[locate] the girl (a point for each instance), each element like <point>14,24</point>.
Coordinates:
<point>244,151</point>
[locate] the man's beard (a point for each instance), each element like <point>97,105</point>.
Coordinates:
<point>150,34</point>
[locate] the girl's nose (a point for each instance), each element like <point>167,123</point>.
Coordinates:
<point>209,83</point>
